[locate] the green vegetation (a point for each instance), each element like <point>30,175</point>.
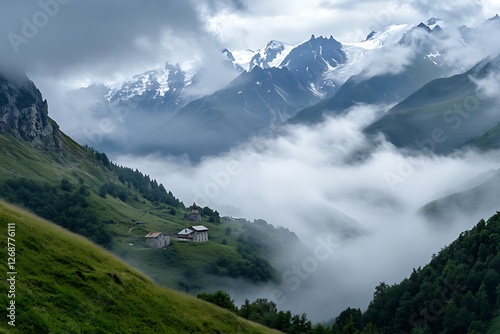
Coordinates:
<point>219,298</point>
<point>488,140</point>
<point>252,245</point>
<point>457,292</point>
<point>65,205</point>
<point>149,189</point>
<point>80,189</point>
<point>494,326</point>
<point>264,312</point>
<point>66,284</point>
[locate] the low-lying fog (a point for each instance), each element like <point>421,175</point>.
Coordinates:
<point>353,201</point>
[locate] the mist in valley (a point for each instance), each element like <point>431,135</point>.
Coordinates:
<point>354,201</point>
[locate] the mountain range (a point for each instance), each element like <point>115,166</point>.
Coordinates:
<point>425,105</point>
<point>444,114</point>
<point>282,84</point>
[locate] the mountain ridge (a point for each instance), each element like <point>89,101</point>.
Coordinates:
<point>451,106</point>
<point>24,113</point>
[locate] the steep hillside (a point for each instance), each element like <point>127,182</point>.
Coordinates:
<point>66,284</point>
<point>24,113</point>
<point>121,206</point>
<point>457,292</point>
<point>480,198</point>
<point>489,140</point>
<point>443,115</point>
<point>116,207</point>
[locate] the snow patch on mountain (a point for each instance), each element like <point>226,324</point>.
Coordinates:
<point>360,54</point>
<point>154,83</point>
<point>271,55</point>
<point>243,58</point>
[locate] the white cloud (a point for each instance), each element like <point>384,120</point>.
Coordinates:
<point>460,12</point>
<point>312,181</point>
<point>489,86</point>
<point>390,61</point>
<point>294,21</point>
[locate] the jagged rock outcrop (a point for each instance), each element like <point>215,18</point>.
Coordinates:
<point>24,113</point>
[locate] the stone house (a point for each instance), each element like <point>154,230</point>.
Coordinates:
<point>157,240</point>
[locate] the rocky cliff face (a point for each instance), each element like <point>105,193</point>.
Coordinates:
<point>24,113</point>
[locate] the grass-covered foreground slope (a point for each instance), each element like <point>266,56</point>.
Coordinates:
<point>66,284</point>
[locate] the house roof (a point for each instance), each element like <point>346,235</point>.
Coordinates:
<point>185,231</point>
<point>153,235</point>
<point>199,228</point>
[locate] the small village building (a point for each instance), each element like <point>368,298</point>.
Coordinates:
<point>195,214</point>
<point>157,240</point>
<point>198,233</point>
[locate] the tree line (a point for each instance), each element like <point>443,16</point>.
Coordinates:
<point>149,188</point>
<point>457,292</point>
<point>65,205</point>
<point>262,311</point>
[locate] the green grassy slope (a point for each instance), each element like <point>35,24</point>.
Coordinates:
<point>66,284</point>
<point>488,140</point>
<point>181,266</point>
<point>18,159</point>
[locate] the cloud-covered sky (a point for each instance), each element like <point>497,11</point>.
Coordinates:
<point>65,44</point>
<point>79,41</point>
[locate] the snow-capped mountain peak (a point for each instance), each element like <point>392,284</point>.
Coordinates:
<point>271,55</point>
<point>360,54</point>
<point>389,36</point>
<point>154,83</point>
